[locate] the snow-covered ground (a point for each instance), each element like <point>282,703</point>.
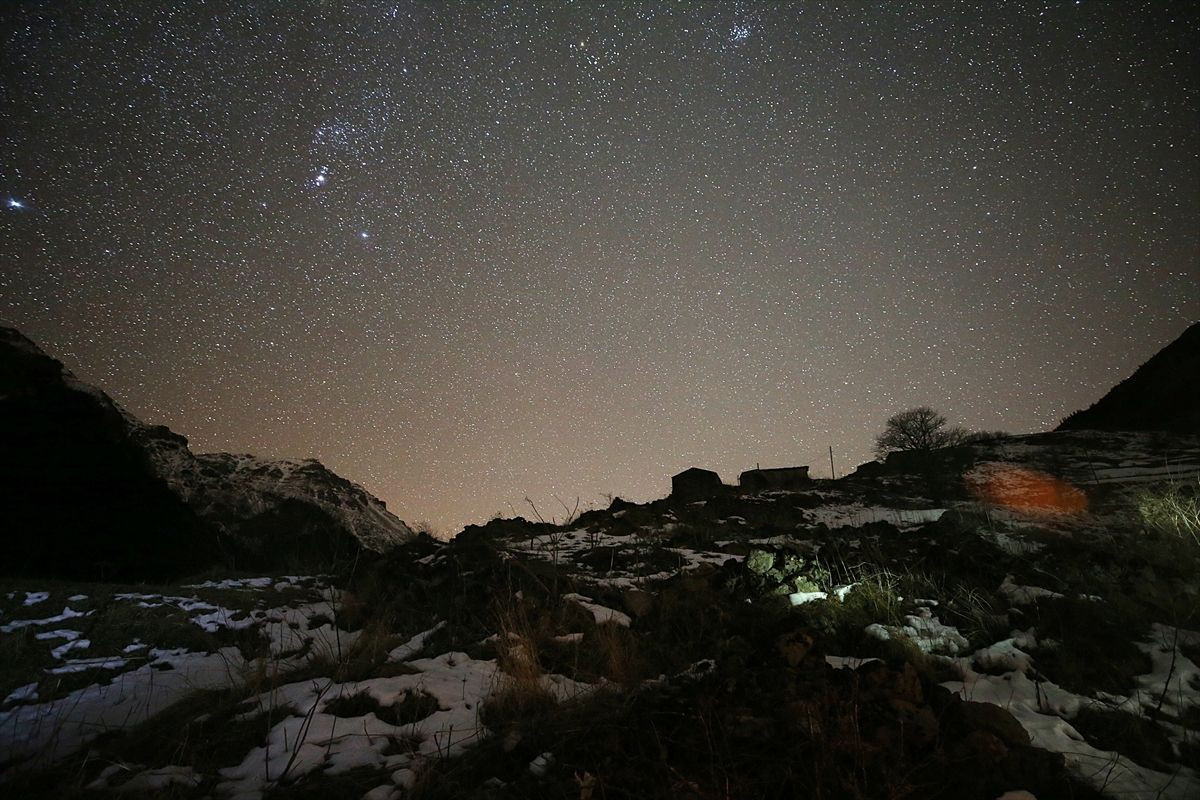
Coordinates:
<point>142,680</point>
<point>312,733</point>
<point>310,736</point>
<point>1045,710</point>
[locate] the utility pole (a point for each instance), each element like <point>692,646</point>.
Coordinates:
<point>832,474</point>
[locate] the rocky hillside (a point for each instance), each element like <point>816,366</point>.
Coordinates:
<point>94,491</point>
<point>273,512</point>
<point>1020,618</point>
<point>1162,395</point>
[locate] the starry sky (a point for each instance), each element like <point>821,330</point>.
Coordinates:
<point>468,253</point>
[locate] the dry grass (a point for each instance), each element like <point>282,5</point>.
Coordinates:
<point>1173,509</point>
<point>618,653</point>
<point>521,634</point>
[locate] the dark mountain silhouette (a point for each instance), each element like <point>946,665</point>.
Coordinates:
<point>90,491</point>
<point>1162,395</point>
<point>78,496</point>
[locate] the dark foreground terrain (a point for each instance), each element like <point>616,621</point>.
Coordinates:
<point>1007,616</point>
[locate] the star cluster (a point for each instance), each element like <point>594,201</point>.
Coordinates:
<point>469,253</point>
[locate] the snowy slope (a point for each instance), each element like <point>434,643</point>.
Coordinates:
<point>224,485</point>
<point>230,490</point>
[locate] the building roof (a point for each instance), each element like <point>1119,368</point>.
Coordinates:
<point>776,469</point>
<point>696,471</point>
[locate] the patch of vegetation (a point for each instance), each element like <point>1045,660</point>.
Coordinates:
<point>408,744</point>
<point>323,786</point>
<point>782,573</point>
<point>1094,646</point>
<point>976,614</point>
<point>1134,737</point>
<point>607,559</point>
<point>22,660</point>
<point>1173,509</point>
<point>516,706</point>
<point>413,707</point>
<point>760,726</point>
<point>207,730</point>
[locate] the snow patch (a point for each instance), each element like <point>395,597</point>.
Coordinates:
<point>1020,595</point>
<point>22,694</point>
<point>33,598</point>
<point>309,739</point>
<point>856,515</point>
<point>601,614</point>
<point>67,613</point>
<point>414,645</point>
<point>84,664</point>
<point>847,662</point>
<point>73,644</point>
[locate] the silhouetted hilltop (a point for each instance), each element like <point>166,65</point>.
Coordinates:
<point>1162,395</point>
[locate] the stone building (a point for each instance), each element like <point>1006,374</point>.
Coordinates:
<point>787,478</point>
<point>696,484</point>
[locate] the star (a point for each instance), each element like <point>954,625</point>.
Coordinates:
<point>743,231</point>
<point>739,33</point>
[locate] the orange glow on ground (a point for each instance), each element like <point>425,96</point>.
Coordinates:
<point>1021,489</point>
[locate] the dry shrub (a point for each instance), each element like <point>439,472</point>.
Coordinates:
<point>520,632</point>
<point>519,698</point>
<point>618,653</point>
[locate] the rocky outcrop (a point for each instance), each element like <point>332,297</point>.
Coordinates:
<point>79,469</point>
<point>273,509</point>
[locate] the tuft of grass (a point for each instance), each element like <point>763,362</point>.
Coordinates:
<point>617,650</point>
<point>1173,509</point>
<point>519,700</point>
<point>877,596</point>
<point>521,632</point>
<point>976,616</point>
<point>22,659</point>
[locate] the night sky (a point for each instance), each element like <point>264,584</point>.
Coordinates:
<point>468,253</point>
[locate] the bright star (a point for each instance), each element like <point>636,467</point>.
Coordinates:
<point>15,203</point>
<point>364,234</point>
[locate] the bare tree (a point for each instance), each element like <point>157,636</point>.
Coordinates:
<point>920,429</point>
